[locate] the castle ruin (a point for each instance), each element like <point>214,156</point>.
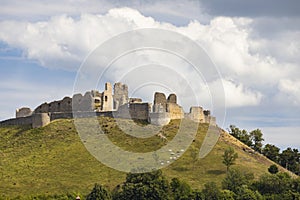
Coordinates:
<point>112,102</point>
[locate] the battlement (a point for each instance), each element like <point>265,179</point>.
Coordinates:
<point>112,102</point>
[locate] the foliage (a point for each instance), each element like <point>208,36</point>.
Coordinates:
<point>273,183</point>
<point>256,138</point>
<point>235,179</point>
<point>227,195</point>
<point>152,186</point>
<point>296,185</point>
<point>289,159</point>
<point>229,157</point>
<point>53,160</point>
<point>180,189</point>
<point>244,193</point>
<point>99,193</point>
<point>211,191</point>
<point>273,169</point>
<point>271,152</point>
<point>241,135</point>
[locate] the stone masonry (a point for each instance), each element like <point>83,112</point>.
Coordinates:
<point>112,102</point>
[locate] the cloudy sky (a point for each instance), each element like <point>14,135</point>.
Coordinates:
<point>254,44</point>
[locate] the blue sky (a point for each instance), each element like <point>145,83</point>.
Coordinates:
<point>254,44</point>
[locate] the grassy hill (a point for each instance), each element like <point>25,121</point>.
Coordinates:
<point>53,160</point>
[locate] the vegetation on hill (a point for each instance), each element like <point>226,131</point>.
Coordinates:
<point>288,158</point>
<point>52,160</point>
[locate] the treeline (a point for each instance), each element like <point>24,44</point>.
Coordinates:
<point>288,158</point>
<point>237,184</point>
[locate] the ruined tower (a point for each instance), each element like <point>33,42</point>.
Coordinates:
<point>107,101</point>
<point>120,95</point>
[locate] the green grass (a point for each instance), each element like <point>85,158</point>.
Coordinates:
<point>53,160</point>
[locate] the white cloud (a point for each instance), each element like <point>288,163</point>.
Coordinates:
<point>63,42</point>
<point>291,90</point>
<point>237,95</point>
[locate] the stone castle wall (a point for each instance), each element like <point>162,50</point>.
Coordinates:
<point>159,119</point>
<point>196,114</point>
<point>40,120</point>
<point>134,111</point>
<point>109,104</point>
<point>23,112</point>
<point>120,96</point>
<point>139,110</point>
<point>17,121</point>
<point>65,105</point>
<point>176,111</point>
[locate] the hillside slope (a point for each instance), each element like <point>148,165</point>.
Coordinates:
<point>53,160</point>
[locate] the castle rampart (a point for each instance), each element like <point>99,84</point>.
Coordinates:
<point>110,103</point>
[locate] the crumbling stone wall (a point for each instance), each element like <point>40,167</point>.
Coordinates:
<point>83,103</point>
<point>135,100</point>
<point>17,121</point>
<point>176,111</point>
<point>159,99</point>
<point>122,112</point>
<point>94,103</point>
<point>211,120</point>
<point>64,105</point>
<point>120,95</point>
<point>139,110</point>
<point>172,98</point>
<point>23,112</point>
<point>43,108</point>
<point>196,114</point>
<point>159,119</point>
<point>134,111</point>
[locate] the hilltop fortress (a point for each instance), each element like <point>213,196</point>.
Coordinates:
<point>112,102</point>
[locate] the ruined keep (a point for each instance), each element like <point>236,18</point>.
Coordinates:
<point>112,102</point>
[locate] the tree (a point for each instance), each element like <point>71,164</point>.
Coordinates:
<point>241,135</point>
<point>271,152</point>
<point>227,195</point>
<point>211,191</point>
<point>270,184</point>
<point>99,193</point>
<point>144,186</point>
<point>296,184</point>
<point>256,139</point>
<point>244,193</point>
<point>273,169</point>
<point>180,189</point>
<point>235,179</point>
<point>290,159</point>
<point>229,157</point>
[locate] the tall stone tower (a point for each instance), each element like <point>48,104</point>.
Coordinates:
<point>107,101</point>
<point>120,95</point>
